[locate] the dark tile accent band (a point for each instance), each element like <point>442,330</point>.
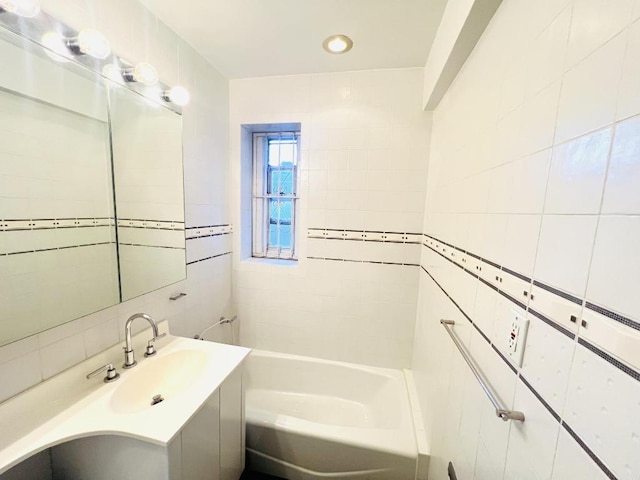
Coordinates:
<point>504,359</point>
<point>209,258</point>
<point>209,235</point>
<point>151,220</point>
<point>586,344</point>
<point>150,246</point>
<point>603,311</point>
<point>589,452</point>
<point>151,228</point>
<point>207,226</point>
<point>560,293</point>
<point>552,324</point>
<point>486,339</point>
<point>613,316</point>
<point>57,248</point>
<point>474,256</point>
<point>490,285</point>
<point>493,264</point>
<point>513,300</point>
<point>364,261</point>
<point>540,399</point>
<point>613,361</point>
<point>516,274</point>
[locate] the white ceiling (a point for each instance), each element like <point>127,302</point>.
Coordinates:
<point>252,38</point>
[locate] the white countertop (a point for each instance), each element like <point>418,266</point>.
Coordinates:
<point>68,406</point>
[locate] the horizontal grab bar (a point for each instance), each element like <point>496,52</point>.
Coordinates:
<point>503,413</point>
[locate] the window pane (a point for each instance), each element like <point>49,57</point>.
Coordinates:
<point>280,223</point>
<point>282,152</point>
<point>280,181</point>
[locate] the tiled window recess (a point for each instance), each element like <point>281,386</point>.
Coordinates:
<point>363,158</point>
<point>532,208</point>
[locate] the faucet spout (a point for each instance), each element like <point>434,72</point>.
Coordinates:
<point>129,356</point>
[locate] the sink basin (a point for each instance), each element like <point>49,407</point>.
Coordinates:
<point>167,376</point>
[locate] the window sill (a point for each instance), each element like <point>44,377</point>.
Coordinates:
<point>270,261</point>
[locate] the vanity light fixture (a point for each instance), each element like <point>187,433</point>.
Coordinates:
<point>56,47</point>
<point>337,44</point>
<point>24,8</point>
<point>90,42</point>
<point>113,72</point>
<point>142,73</point>
<point>178,95</point>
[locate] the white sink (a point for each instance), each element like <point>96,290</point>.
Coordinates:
<point>167,376</point>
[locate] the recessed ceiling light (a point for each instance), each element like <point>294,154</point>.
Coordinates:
<point>337,44</point>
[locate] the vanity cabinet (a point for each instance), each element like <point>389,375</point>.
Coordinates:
<point>210,446</point>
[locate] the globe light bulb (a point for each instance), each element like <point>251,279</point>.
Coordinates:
<point>142,73</point>
<point>24,8</point>
<point>90,42</point>
<point>178,95</point>
<point>55,47</point>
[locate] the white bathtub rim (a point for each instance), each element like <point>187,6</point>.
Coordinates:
<point>389,372</point>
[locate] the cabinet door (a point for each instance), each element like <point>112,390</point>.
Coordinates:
<point>231,427</point>
<point>201,443</point>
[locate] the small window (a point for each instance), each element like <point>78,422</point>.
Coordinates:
<point>275,194</point>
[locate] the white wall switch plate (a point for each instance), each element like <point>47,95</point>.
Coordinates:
<point>517,336</point>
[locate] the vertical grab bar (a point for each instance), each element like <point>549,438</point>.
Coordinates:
<point>502,413</point>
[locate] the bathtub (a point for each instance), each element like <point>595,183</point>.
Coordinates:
<point>309,418</point>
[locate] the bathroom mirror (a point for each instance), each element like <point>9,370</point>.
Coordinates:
<point>147,165</point>
<point>57,236</point>
<point>91,191</point>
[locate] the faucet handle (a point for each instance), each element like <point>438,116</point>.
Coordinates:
<point>112,375</point>
<point>151,351</point>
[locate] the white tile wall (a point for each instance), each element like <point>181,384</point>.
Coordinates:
<point>364,158</point>
<point>534,150</point>
<point>136,34</point>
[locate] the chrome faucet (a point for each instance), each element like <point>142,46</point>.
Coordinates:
<point>129,357</point>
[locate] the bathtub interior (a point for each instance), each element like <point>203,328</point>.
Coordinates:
<point>310,419</point>
<point>324,392</point>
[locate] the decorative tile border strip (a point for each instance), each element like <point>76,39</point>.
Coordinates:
<point>363,261</point>
<point>150,224</point>
<point>589,452</point>
<point>540,398</point>
<point>552,324</point>
<point>504,359</point>
<point>209,258</point>
<point>364,235</point>
<point>609,358</point>
<point>150,246</point>
<point>208,231</point>
<point>555,291</point>
<point>516,274</point>
<point>616,363</point>
<point>54,223</point>
<point>613,316</point>
<point>549,408</point>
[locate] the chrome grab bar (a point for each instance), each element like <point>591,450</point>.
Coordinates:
<point>502,413</point>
